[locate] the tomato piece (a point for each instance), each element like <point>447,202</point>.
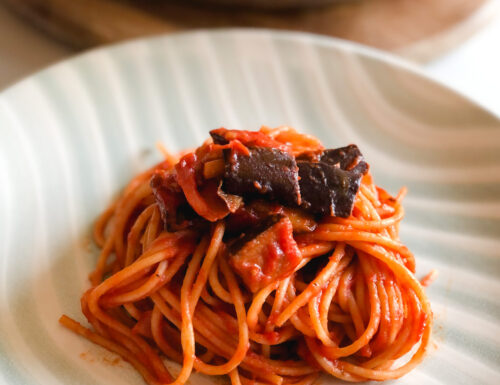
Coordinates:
<point>205,201</point>
<point>248,138</point>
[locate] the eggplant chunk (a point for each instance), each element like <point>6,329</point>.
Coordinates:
<point>268,254</point>
<point>327,189</point>
<point>250,215</point>
<point>321,184</point>
<point>348,158</point>
<point>265,171</point>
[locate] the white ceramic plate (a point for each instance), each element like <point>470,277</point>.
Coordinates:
<point>72,135</point>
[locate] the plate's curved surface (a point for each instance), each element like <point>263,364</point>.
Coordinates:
<point>71,136</point>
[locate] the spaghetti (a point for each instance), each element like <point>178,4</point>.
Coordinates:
<point>173,280</point>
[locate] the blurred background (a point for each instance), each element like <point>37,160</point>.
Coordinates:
<point>455,41</point>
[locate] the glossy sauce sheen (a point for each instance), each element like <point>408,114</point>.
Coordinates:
<point>271,255</point>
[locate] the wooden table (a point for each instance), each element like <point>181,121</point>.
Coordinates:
<point>417,29</point>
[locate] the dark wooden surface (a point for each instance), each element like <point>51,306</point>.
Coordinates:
<point>386,24</point>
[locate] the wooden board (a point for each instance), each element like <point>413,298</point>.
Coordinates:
<point>395,25</point>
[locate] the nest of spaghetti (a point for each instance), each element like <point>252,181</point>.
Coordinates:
<point>262,256</point>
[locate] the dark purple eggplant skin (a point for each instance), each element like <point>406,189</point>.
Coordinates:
<point>315,193</point>
<point>218,139</point>
<point>329,187</point>
<point>348,158</point>
<point>265,172</point>
<point>322,184</point>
